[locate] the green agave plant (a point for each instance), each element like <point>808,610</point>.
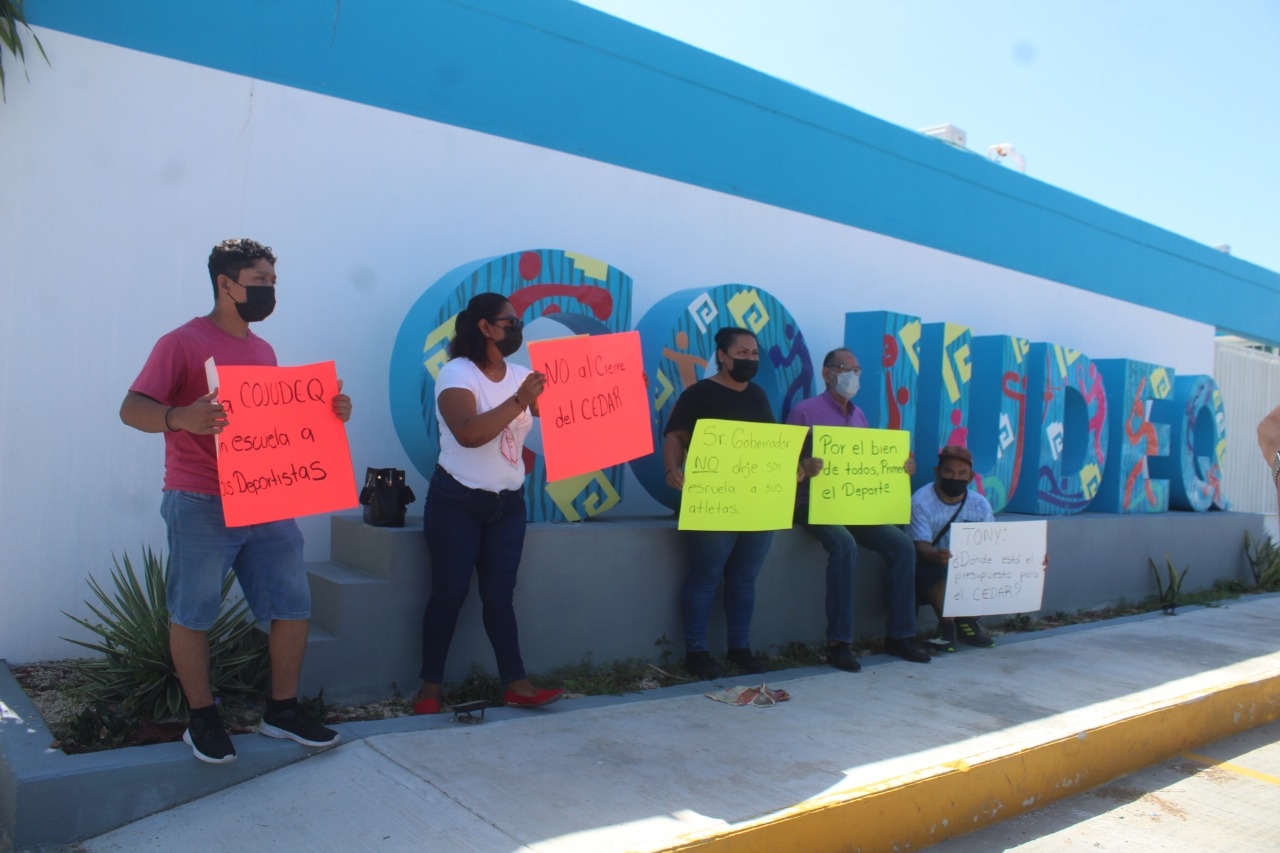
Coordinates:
<point>12,17</point>
<point>136,670</point>
<point>1264,562</point>
<point>1169,593</point>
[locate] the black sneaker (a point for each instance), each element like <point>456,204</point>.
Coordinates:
<point>745,661</point>
<point>702,667</point>
<point>970,630</point>
<point>209,741</point>
<point>296,725</point>
<point>906,650</point>
<point>946,639</point>
<point>843,657</point>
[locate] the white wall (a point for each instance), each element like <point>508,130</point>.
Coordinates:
<point>120,170</point>
<point>1250,385</point>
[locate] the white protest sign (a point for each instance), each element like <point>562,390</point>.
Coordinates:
<point>996,567</point>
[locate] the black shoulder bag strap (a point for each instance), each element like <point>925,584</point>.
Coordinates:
<point>947,526</point>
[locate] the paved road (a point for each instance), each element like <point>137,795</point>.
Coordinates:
<point>1222,797</point>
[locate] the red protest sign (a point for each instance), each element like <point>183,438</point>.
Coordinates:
<point>595,409</point>
<point>284,453</point>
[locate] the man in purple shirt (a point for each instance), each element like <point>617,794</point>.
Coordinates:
<point>834,407</point>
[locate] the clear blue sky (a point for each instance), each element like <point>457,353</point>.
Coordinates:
<point>1167,110</point>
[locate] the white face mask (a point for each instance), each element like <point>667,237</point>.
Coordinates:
<point>847,385</point>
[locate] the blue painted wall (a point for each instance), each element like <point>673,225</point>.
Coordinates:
<point>559,75</point>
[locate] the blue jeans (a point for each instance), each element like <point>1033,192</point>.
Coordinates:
<point>737,557</point>
<point>267,560</point>
<point>472,529</point>
<point>899,554</point>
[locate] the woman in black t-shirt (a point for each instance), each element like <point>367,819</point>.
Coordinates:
<point>737,556</point>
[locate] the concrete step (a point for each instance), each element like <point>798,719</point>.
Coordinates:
<point>391,553</point>
<point>366,633</point>
<point>345,600</point>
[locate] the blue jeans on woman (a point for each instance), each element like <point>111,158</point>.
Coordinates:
<point>738,558</point>
<point>472,529</point>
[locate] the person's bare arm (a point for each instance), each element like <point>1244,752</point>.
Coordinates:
<point>675,446</point>
<point>1269,435</point>
<point>204,417</point>
<point>927,553</point>
<point>472,429</point>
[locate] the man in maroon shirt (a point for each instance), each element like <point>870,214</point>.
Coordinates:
<point>171,396</point>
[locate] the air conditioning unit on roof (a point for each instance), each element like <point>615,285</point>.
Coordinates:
<point>948,133</point>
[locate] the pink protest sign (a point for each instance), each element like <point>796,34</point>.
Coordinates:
<point>595,409</point>
<point>284,453</point>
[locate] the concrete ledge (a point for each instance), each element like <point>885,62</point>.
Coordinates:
<point>47,796</point>
<point>609,589</point>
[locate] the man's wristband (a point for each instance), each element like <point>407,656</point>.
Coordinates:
<point>167,425</point>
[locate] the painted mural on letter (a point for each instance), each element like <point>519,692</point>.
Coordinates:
<point>891,372</point>
<point>997,414</point>
<point>556,293</point>
<point>1198,439</point>
<point>942,411</point>
<point>1039,418</point>
<point>1132,388</point>
<point>677,338</point>
<point>1066,435</point>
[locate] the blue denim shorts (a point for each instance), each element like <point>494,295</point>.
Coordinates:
<point>267,560</point>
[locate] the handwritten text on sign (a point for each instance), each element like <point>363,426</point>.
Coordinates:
<point>996,567</point>
<point>862,479</point>
<point>740,476</point>
<point>595,408</point>
<point>284,453</point>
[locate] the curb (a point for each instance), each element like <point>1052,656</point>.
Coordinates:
<point>980,787</point>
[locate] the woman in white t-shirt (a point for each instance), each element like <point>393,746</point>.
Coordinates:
<point>475,515</point>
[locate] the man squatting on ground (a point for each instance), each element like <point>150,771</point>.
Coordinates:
<point>169,396</point>
<point>934,508</point>
<point>834,407</point>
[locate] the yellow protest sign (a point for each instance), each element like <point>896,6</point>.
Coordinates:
<point>740,476</point>
<point>862,480</point>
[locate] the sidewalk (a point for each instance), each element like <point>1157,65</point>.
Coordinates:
<point>899,754</point>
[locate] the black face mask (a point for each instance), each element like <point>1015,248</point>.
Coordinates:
<point>512,338</point>
<point>952,488</point>
<point>743,369</point>
<point>259,302</point>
